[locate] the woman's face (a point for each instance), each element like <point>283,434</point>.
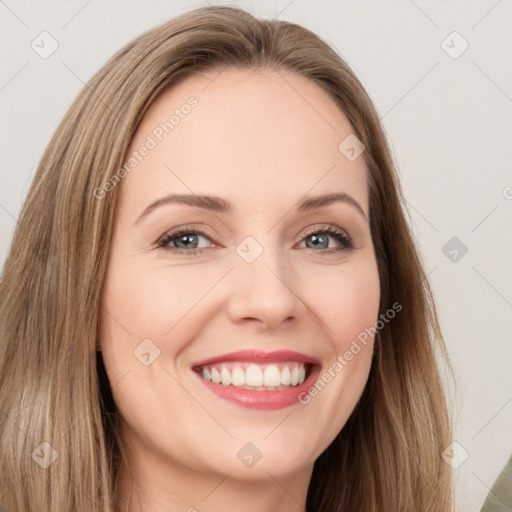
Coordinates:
<point>257,293</point>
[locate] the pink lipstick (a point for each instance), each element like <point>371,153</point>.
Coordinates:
<point>258,380</point>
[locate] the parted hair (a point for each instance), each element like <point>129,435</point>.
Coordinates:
<point>53,387</point>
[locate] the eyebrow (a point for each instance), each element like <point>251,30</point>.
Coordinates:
<point>220,205</point>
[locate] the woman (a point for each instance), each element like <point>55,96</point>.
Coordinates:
<point>259,371</point>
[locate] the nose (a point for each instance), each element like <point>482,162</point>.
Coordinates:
<point>265,292</point>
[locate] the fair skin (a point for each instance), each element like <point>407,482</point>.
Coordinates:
<point>262,143</point>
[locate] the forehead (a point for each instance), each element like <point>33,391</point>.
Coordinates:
<point>249,133</point>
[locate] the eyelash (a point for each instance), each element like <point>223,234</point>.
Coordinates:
<point>340,235</point>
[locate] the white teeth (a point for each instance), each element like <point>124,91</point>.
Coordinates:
<point>216,378</point>
<point>238,377</point>
<point>286,376</point>
<point>254,376</point>
<point>295,376</point>
<point>272,376</point>
<point>206,374</point>
<point>261,377</point>
<point>225,376</point>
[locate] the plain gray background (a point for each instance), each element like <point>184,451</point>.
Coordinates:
<point>447,114</point>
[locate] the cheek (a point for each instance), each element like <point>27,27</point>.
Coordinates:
<point>350,311</point>
<point>145,311</point>
<point>150,302</point>
<point>358,305</point>
<point>350,305</point>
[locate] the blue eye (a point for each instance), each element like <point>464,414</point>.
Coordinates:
<point>188,240</point>
<point>185,237</point>
<point>320,235</point>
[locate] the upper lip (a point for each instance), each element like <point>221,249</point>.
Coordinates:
<point>257,356</point>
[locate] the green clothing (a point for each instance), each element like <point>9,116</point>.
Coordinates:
<point>499,498</point>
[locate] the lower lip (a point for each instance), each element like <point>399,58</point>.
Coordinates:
<point>262,400</point>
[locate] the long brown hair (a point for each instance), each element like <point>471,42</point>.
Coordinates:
<point>388,455</point>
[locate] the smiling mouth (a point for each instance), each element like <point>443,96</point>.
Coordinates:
<point>256,377</point>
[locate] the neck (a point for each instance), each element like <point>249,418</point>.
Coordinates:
<point>150,486</point>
